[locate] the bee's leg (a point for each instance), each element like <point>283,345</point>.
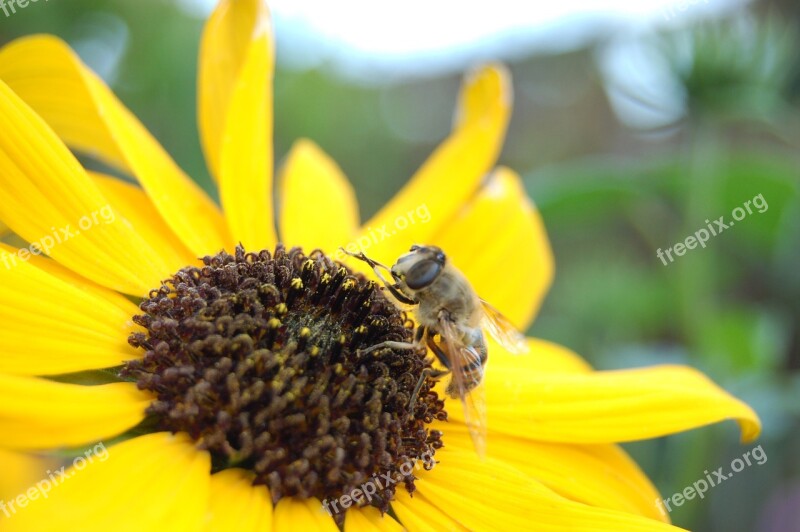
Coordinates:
<point>376,266</point>
<point>420,334</point>
<point>417,344</point>
<point>429,372</point>
<point>395,290</point>
<point>391,345</point>
<point>441,355</point>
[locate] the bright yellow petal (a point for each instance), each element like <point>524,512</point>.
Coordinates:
<point>491,495</point>
<point>369,519</point>
<point>53,321</point>
<point>542,357</point>
<point>47,198</point>
<point>235,504</point>
<point>307,514</point>
<point>499,242</point>
<point>318,208</point>
<point>82,110</point>
<point>227,37</point>
<point>152,482</point>
<point>237,60</point>
<point>606,406</point>
<point>419,515</point>
<point>445,182</point>
<point>41,414</point>
<point>20,472</point>
<point>598,475</point>
<point>132,203</point>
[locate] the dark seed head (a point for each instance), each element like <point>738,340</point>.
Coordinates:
<point>257,357</point>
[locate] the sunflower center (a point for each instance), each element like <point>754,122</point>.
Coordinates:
<point>259,358</point>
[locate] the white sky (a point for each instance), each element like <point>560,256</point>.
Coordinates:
<point>415,36</point>
<point>378,41</point>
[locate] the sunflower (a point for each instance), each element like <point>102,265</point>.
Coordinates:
<point>227,392</point>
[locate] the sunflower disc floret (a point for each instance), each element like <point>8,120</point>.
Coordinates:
<point>257,356</point>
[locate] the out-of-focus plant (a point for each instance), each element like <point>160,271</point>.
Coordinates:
<point>737,68</point>
<point>714,97</point>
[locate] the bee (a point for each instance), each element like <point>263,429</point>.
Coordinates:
<point>445,305</point>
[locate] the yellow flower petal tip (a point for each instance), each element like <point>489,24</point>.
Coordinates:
<point>502,202</point>
<point>608,406</point>
<point>235,112</point>
<point>484,86</point>
<point>455,170</point>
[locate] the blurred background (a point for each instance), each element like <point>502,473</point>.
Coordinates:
<point>634,122</point>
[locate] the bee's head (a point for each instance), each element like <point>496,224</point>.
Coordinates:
<point>420,266</point>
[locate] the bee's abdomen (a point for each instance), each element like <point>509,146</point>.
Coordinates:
<point>472,371</point>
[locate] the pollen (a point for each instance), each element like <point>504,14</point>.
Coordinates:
<point>259,358</point>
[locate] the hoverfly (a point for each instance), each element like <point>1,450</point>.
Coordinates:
<point>445,304</point>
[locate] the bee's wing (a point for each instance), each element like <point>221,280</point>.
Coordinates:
<point>503,330</point>
<point>467,385</point>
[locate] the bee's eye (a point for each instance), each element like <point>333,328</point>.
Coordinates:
<point>422,274</point>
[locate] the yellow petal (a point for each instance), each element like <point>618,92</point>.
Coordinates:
<point>600,475</point>
<point>227,37</point>
<point>53,321</point>
<point>369,519</point>
<point>133,204</point>
<point>453,172</point>
<point>47,198</point>
<point>606,406</point>
<point>82,110</point>
<point>542,357</point>
<point>40,414</point>
<point>307,514</point>
<point>491,495</point>
<point>152,482</point>
<point>419,515</point>
<point>499,242</point>
<point>237,60</point>
<point>318,208</point>
<point>235,504</point>
<point>21,471</point>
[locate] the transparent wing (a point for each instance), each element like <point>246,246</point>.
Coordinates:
<point>466,383</point>
<point>503,330</point>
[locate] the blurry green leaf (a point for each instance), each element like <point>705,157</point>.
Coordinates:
<point>741,340</point>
